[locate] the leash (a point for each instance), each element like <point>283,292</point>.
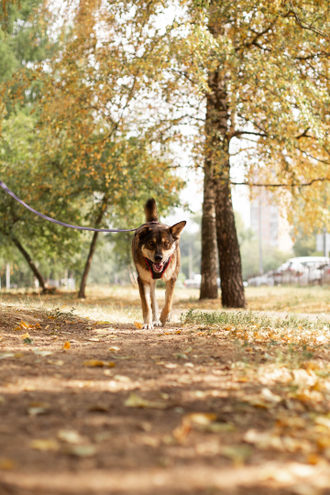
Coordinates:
<point>45,217</point>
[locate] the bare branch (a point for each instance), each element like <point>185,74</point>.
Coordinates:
<point>293,184</point>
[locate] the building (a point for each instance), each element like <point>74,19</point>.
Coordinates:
<point>267,218</point>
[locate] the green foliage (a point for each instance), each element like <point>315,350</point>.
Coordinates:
<point>24,38</point>
<point>305,245</point>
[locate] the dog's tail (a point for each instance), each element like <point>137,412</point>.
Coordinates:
<point>150,210</point>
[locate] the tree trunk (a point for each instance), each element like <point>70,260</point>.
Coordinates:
<point>82,289</point>
<point>209,288</point>
<point>30,263</point>
<point>232,289</point>
<point>218,134</point>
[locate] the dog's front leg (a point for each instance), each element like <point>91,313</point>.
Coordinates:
<point>166,311</point>
<point>154,305</point>
<point>144,290</point>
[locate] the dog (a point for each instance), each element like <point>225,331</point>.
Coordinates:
<point>156,254</point>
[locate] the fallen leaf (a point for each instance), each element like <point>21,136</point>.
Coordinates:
<point>6,355</point>
<point>70,436</point>
<point>67,345</point>
<point>150,441</point>
<point>42,353</point>
<point>79,450</point>
<point>98,408</point>
<point>22,324</point>
<point>135,400</point>
<point>269,396</point>
<point>271,440</point>
<point>6,464</point>
<point>114,348</point>
<point>237,454</point>
<point>138,325</point>
<point>25,336</point>
<point>16,329</point>
<point>45,445</point>
<point>35,411</point>
<point>94,363</point>
<point>241,379</point>
<point>94,339</point>
<point>28,341</point>
<point>122,378</point>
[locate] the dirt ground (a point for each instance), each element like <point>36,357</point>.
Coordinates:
<point>92,404</point>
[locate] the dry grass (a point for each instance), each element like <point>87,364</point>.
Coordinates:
<point>125,301</point>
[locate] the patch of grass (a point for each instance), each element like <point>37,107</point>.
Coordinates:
<point>243,319</point>
<point>292,334</point>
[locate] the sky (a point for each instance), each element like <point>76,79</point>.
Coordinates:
<point>193,195</point>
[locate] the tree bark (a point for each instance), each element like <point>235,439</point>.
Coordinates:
<point>30,263</point>
<point>232,289</point>
<point>209,287</point>
<point>218,133</point>
<point>82,289</point>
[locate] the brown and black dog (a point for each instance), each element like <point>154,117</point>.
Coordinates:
<point>156,254</point>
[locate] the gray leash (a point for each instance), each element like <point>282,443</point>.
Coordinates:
<point>45,217</point>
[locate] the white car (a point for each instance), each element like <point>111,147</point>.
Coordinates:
<point>302,270</point>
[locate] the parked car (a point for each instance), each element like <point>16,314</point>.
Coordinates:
<point>301,270</point>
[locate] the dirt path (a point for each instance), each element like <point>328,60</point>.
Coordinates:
<point>96,407</point>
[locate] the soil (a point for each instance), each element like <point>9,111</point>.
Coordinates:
<point>101,407</point>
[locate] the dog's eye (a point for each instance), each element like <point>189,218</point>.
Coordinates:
<point>166,244</point>
<point>151,245</point>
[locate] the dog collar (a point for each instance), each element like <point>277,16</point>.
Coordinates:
<point>157,275</point>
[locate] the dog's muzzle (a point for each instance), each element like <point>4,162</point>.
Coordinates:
<point>158,267</point>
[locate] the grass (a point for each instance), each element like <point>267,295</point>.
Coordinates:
<point>244,319</point>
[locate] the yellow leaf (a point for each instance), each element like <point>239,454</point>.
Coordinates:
<point>94,363</point>
<point>314,459</point>
<point>6,464</point>
<point>114,348</point>
<point>16,329</point>
<point>138,325</point>
<point>135,400</point>
<point>201,418</point>
<point>242,379</point>
<point>70,436</point>
<point>67,345</point>
<point>44,445</point>
<point>111,364</point>
<point>23,324</point>
<point>25,336</point>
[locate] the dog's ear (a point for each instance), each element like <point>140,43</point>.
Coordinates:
<point>177,229</point>
<point>142,232</point>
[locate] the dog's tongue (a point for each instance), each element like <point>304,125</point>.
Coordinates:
<point>158,267</point>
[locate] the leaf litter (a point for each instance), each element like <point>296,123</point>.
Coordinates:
<point>255,389</point>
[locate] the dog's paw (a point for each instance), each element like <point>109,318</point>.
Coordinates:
<point>148,326</point>
<point>163,320</point>
<point>157,323</point>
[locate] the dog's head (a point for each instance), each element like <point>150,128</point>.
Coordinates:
<point>158,243</point>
